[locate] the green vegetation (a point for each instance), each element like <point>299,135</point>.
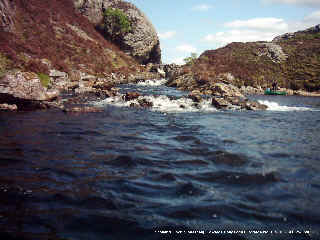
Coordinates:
<point>251,65</point>
<point>4,64</point>
<point>191,60</point>
<point>45,79</point>
<point>116,22</point>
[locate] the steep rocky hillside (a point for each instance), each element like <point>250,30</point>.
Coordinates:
<point>139,39</point>
<point>36,35</point>
<point>293,60</point>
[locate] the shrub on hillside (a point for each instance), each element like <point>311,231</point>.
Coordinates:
<point>115,23</point>
<point>191,60</point>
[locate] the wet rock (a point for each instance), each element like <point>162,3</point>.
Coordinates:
<point>131,96</point>
<point>145,103</point>
<point>83,109</point>
<point>195,96</point>
<point>226,90</point>
<point>156,68</point>
<point>234,160</point>
<point>103,94</point>
<point>8,107</point>
<point>172,71</point>
<point>252,105</point>
<point>236,103</point>
<point>220,103</point>
<point>103,85</point>
<point>185,82</point>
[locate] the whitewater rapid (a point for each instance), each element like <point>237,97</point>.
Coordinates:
<point>155,92</point>
<point>274,106</point>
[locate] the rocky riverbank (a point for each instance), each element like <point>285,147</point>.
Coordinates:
<point>23,91</point>
<point>73,92</point>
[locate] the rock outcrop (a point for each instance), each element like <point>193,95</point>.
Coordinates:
<point>7,15</point>
<point>141,41</point>
<point>273,51</point>
<point>24,89</point>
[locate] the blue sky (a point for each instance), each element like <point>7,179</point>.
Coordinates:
<point>198,25</point>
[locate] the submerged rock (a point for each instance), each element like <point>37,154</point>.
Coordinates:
<point>144,103</point>
<point>8,107</point>
<point>83,109</point>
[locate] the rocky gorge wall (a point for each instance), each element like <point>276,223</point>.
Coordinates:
<point>141,41</point>
<point>51,47</point>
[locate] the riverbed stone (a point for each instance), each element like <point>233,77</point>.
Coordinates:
<point>220,103</point>
<point>8,107</point>
<point>131,96</point>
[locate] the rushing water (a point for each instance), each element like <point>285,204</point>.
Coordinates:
<point>176,170</point>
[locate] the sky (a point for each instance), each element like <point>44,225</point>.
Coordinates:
<point>193,26</point>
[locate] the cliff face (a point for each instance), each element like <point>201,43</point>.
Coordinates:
<point>293,60</point>
<point>141,41</point>
<point>37,35</point>
<point>7,13</point>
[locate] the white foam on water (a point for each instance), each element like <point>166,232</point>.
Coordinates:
<point>273,106</point>
<point>163,104</point>
<point>152,82</point>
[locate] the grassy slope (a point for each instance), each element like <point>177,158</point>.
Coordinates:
<point>53,30</point>
<point>301,70</point>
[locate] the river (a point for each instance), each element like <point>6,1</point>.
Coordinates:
<point>175,170</point>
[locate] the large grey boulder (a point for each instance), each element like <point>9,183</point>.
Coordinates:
<point>141,41</point>
<point>25,90</point>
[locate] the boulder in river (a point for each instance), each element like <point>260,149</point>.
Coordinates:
<point>131,96</point>
<point>220,103</point>
<point>226,90</point>
<point>8,107</point>
<point>25,90</point>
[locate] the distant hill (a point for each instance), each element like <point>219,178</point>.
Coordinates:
<point>293,60</point>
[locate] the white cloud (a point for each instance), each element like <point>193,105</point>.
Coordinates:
<point>272,24</point>
<point>167,35</point>
<point>223,38</point>
<point>256,29</point>
<point>178,60</point>
<point>186,48</point>
<point>310,3</point>
<point>202,7</point>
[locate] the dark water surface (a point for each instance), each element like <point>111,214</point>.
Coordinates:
<point>131,173</point>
